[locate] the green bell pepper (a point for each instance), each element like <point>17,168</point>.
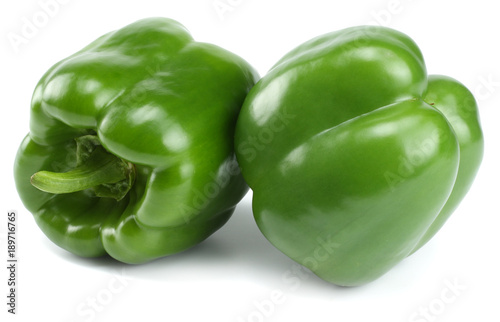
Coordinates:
<point>130,150</point>
<point>355,156</point>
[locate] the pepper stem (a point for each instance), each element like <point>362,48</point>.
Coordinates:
<point>104,173</point>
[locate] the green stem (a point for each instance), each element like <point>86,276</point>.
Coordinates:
<point>103,172</point>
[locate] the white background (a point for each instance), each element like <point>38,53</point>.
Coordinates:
<point>236,275</point>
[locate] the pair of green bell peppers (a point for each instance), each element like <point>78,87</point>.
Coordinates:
<point>355,156</point>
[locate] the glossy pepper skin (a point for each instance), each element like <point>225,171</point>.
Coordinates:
<point>161,109</point>
<point>356,157</point>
